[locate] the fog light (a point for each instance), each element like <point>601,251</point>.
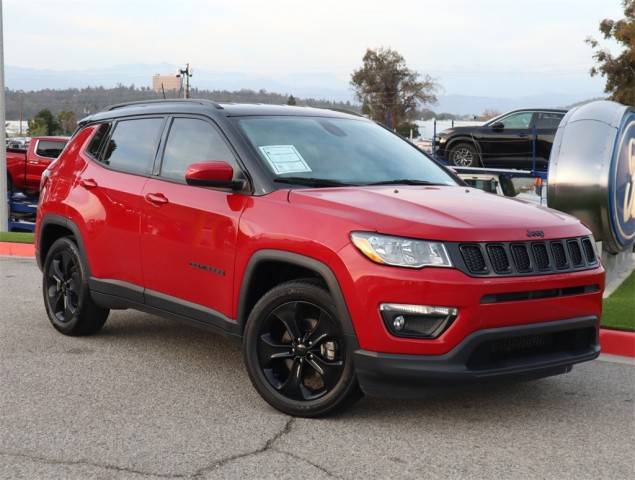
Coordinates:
<point>399,322</point>
<point>419,321</point>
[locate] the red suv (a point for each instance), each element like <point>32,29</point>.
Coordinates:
<point>347,260</point>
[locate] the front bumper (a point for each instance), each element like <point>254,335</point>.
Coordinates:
<point>518,352</point>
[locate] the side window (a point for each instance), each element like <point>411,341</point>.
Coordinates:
<point>133,144</point>
<point>49,148</point>
<point>191,141</point>
<point>517,120</point>
<point>95,143</point>
<point>548,119</point>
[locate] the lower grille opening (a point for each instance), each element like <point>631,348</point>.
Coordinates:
<point>538,294</point>
<point>513,350</point>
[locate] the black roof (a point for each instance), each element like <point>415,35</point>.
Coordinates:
<point>203,106</point>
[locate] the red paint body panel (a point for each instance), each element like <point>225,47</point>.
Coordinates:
<point>195,226</point>
<point>195,244</point>
<point>25,168</point>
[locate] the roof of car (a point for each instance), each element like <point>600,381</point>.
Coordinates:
<point>209,106</point>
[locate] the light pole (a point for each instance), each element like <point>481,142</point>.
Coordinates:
<point>4,204</point>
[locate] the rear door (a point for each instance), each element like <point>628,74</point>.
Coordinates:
<point>546,124</point>
<point>188,234</point>
<point>109,195</point>
<point>40,155</point>
<point>507,142</point>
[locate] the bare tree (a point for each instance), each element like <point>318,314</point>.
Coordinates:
<point>391,91</point>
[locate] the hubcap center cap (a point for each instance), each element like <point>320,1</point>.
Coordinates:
<point>301,350</point>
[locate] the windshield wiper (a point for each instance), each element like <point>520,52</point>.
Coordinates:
<point>403,181</point>
<point>312,182</point>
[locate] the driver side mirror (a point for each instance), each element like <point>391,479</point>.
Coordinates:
<point>217,174</point>
<point>498,126</point>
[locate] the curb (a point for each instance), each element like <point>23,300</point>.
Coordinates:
<point>12,249</point>
<point>617,342</point>
<point>613,342</point>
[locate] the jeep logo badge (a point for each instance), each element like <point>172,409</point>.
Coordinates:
<point>535,234</point>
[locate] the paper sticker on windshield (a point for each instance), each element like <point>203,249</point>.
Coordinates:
<point>284,159</point>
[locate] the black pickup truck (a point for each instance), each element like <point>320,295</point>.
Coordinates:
<point>506,141</point>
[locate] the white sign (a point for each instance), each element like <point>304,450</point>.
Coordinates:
<point>284,159</point>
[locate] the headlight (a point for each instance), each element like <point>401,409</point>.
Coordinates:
<point>443,139</point>
<point>401,252</point>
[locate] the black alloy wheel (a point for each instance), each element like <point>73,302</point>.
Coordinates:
<point>300,350</point>
<point>296,352</point>
<point>63,286</point>
<point>67,299</point>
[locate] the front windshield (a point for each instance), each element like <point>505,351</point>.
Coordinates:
<point>337,151</point>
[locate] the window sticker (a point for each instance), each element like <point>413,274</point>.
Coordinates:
<point>284,159</point>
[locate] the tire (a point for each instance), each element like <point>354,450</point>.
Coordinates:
<point>285,371</point>
<point>67,299</point>
<point>464,154</point>
<point>9,186</point>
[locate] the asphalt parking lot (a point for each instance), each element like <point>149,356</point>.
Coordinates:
<point>151,398</point>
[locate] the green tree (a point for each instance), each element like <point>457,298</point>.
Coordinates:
<point>291,100</point>
<point>619,70</point>
<point>67,121</point>
<point>390,89</point>
<point>44,123</point>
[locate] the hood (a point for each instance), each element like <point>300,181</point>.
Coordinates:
<point>450,213</point>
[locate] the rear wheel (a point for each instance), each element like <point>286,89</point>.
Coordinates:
<point>296,353</point>
<point>464,155</point>
<point>67,299</point>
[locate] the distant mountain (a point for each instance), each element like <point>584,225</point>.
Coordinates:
<point>305,85</point>
<point>469,105</point>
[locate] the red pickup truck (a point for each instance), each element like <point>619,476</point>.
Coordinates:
<point>25,167</point>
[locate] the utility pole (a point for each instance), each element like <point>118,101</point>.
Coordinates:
<point>185,74</point>
<point>4,203</point>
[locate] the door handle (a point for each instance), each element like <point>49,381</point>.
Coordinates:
<point>88,183</point>
<point>523,135</point>
<point>156,198</point>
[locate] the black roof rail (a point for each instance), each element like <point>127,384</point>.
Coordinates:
<point>200,101</point>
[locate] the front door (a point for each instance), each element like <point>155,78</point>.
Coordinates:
<point>507,143</point>
<point>189,233</point>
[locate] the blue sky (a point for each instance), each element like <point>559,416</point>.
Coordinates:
<point>487,47</point>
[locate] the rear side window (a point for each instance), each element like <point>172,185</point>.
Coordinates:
<point>49,149</point>
<point>133,144</point>
<point>548,119</point>
<point>96,142</point>
<point>191,141</point>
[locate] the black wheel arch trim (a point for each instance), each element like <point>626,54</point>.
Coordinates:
<point>299,260</point>
<point>54,219</point>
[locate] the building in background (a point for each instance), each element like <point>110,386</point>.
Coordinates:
<point>165,82</point>
<point>12,128</point>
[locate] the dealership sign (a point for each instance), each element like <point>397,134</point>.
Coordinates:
<point>592,171</point>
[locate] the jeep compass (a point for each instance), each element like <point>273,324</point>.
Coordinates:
<point>345,259</point>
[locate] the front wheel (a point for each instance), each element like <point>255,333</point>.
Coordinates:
<point>296,353</point>
<point>464,155</point>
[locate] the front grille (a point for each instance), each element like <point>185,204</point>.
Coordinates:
<point>498,257</point>
<point>521,258</point>
<point>589,251</point>
<point>473,257</point>
<point>559,255</point>
<point>574,252</point>
<point>541,256</point>
<point>524,258</point>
